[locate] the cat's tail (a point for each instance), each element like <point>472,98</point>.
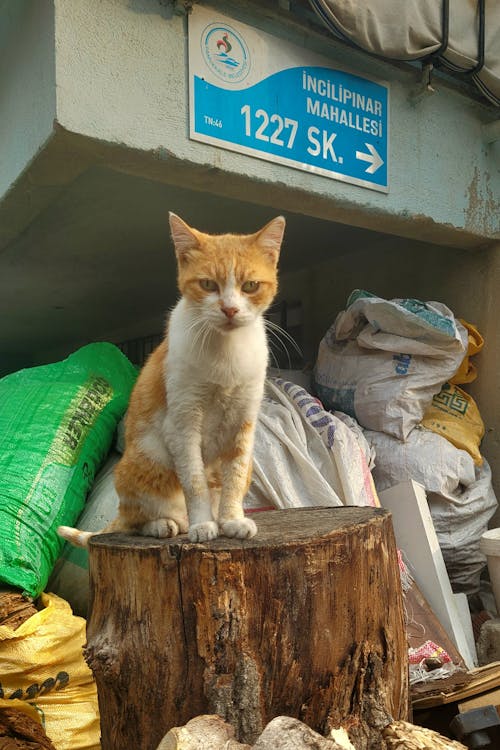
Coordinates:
<point>81,538</point>
<point>75,536</point>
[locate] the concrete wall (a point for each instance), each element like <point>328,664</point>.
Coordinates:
<point>429,272</point>
<point>122,78</point>
<point>486,389</point>
<point>27,90</point>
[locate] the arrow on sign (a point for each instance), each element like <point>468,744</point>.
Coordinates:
<point>373,157</point>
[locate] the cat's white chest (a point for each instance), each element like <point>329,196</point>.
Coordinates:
<point>233,359</point>
<point>225,409</point>
<point>238,361</point>
<point>216,385</point>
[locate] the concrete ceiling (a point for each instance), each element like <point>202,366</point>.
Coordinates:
<point>98,262</point>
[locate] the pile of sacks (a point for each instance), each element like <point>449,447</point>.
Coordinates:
<point>396,367</point>
<point>57,423</point>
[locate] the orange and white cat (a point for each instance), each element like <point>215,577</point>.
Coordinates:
<point>191,419</point>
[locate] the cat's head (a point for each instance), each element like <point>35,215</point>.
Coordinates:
<point>230,278</point>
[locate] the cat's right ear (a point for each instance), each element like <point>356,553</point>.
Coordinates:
<point>184,238</point>
<point>270,238</point>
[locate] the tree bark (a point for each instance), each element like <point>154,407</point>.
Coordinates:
<point>305,620</point>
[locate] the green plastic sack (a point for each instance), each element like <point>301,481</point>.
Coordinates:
<point>57,423</point>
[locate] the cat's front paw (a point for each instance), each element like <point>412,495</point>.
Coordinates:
<point>239,528</point>
<point>162,528</point>
<point>203,532</point>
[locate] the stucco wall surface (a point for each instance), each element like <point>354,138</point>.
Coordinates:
<point>122,78</point>
<point>27,84</point>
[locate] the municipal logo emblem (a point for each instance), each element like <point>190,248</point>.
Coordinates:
<point>225,52</point>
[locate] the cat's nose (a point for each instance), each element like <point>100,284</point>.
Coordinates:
<point>230,312</point>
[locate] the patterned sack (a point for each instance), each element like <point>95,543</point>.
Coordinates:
<point>453,414</point>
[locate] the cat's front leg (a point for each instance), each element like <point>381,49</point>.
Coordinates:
<point>185,447</point>
<point>236,474</point>
<point>202,526</point>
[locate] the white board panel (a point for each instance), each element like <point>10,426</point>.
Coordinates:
<point>417,539</point>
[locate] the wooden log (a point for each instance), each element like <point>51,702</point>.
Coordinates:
<point>285,733</point>
<point>305,620</point>
<point>401,734</point>
<point>15,608</point>
<point>208,732</point>
<point>21,727</point>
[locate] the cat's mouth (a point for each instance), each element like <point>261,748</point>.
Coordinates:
<point>231,325</point>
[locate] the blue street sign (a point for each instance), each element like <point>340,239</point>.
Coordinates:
<point>310,117</point>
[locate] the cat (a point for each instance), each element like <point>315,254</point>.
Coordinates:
<point>191,419</point>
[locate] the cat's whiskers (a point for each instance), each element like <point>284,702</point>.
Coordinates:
<point>205,333</point>
<point>201,329</point>
<point>278,329</point>
<point>281,337</point>
<point>282,346</point>
<point>273,357</point>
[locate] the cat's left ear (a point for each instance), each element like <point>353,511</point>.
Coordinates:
<point>184,238</point>
<point>271,236</point>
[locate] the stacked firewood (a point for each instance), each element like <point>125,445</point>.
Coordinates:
<point>15,608</point>
<point>285,733</point>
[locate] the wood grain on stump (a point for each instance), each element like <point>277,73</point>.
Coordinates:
<point>304,620</point>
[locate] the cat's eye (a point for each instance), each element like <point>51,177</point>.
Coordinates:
<point>249,287</point>
<point>209,285</point>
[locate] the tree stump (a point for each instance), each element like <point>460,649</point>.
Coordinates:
<point>305,619</point>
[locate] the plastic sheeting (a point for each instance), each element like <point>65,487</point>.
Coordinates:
<point>305,456</point>
<point>460,496</point>
<point>461,35</point>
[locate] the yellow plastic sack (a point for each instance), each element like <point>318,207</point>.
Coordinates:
<point>467,372</point>
<point>42,664</point>
<point>453,414</point>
